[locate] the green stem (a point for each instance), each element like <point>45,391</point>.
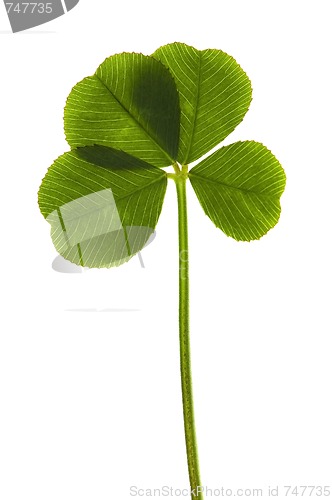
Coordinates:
<point>186,382</point>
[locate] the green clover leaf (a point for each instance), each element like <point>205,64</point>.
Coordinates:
<point>215,94</point>
<point>136,115</point>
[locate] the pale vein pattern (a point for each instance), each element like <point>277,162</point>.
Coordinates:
<point>239,187</point>
<point>101,217</point>
<point>131,103</point>
<point>215,94</point>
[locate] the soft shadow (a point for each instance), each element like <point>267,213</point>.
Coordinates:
<point>102,310</point>
<point>27,32</point>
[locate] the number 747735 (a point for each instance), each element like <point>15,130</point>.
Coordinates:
<point>29,7</point>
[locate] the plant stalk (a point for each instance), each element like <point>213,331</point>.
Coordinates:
<point>186,381</point>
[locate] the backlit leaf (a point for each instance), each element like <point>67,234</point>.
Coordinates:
<point>131,103</point>
<point>239,187</point>
<point>215,94</point>
<point>103,205</point>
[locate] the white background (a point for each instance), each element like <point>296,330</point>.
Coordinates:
<point>90,401</point>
